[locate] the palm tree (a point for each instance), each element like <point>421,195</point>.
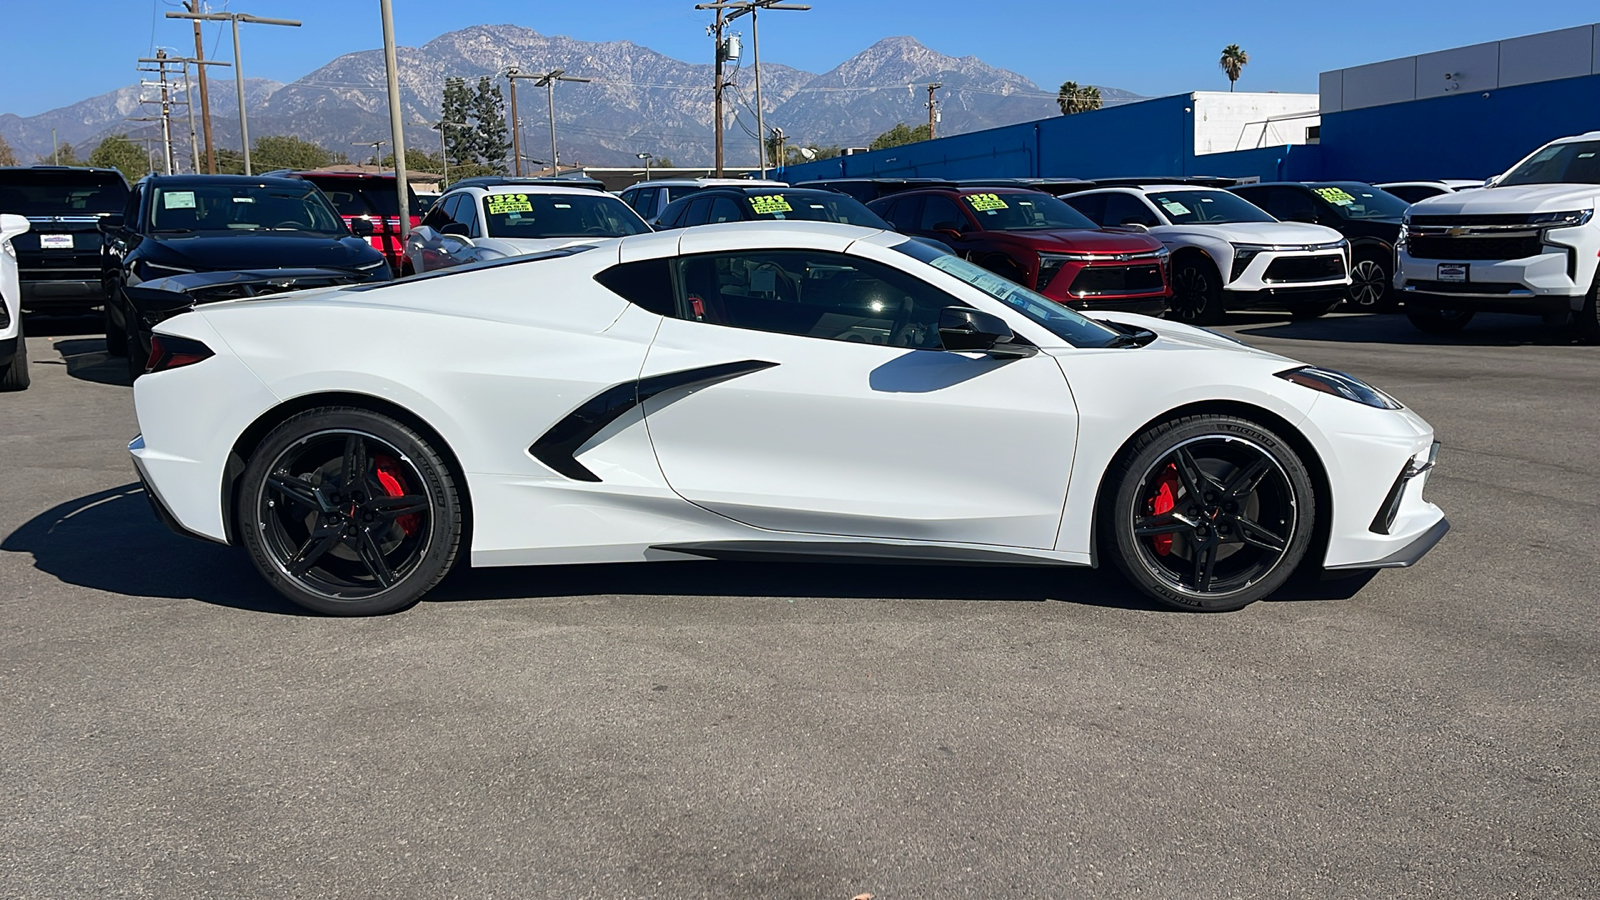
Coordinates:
<point>1074,99</point>
<point>1233,62</point>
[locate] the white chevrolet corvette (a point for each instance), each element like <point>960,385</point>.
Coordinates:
<point>755,391</point>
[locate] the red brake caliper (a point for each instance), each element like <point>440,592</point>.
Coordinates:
<point>394,486</point>
<point>1162,501</point>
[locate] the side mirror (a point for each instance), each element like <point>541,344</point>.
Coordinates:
<point>110,223</point>
<point>964,328</point>
<point>1309,217</point>
<point>12,225</point>
<point>361,227</point>
<point>1492,181</point>
<point>454,229</point>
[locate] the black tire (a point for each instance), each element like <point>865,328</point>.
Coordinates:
<point>1246,531</point>
<point>380,555</point>
<point>16,377</point>
<point>1312,310</point>
<point>1372,285</point>
<point>1196,292</point>
<point>135,353</point>
<point>1434,320</point>
<point>1587,320</point>
<point>116,338</point>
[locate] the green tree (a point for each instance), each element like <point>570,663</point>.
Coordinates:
<point>231,162</point>
<point>8,157</point>
<point>489,125</point>
<point>416,161</point>
<point>460,142</point>
<point>63,152</point>
<point>1233,62</point>
<point>285,151</point>
<point>117,152</point>
<point>1074,99</point>
<point>899,136</point>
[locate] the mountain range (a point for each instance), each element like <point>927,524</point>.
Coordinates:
<point>637,100</point>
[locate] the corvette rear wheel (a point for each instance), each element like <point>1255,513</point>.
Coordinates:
<point>349,513</point>
<point>1208,513</point>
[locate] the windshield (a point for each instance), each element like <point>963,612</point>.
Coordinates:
<point>361,197</point>
<point>1354,200</point>
<point>198,206</point>
<point>36,192</point>
<point>535,216</point>
<point>1207,208</point>
<point>1022,211</point>
<point>1064,323</point>
<point>1574,163</point>
<point>814,206</point>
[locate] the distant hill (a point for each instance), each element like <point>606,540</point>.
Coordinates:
<point>638,100</point>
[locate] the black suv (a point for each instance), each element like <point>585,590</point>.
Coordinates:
<point>1368,217</point>
<point>58,261</point>
<point>766,203</point>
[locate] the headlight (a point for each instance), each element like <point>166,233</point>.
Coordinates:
<point>1340,385</point>
<point>1405,231</point>
<point>1562,219</point>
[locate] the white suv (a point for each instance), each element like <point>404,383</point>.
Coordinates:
<point>1226,252</point>
<point>483,222</point>
<point>1527,243</point>
<point>13,346</point>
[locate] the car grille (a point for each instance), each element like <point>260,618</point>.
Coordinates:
<point>1460,287</point>
<point>1429,246</point>
<point>1094,281</point>
<point>1305,268</point>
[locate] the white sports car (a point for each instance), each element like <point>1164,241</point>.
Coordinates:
<point>475,224</point>
<point>13,346</point>
<point>759,390</point>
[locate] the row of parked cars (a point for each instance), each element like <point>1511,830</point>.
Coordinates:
<point>1190,248</point>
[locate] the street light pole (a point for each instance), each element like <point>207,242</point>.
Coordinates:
<point>444,154</point>
<point>741,7</point>
<point>238,65</point>
<point>397,130</point>
<point>646,157</point>
<point>516,127</point>
<point>548,81</point>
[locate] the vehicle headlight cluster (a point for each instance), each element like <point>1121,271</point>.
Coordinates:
<point>1561,219</point>
<point>1339,384</point>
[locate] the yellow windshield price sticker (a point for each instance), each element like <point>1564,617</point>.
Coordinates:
<point>1336,196</point>
<point>768,204</point>
<point>985,202</point>
<point>505,204</point>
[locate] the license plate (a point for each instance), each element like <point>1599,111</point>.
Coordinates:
<point>1453,272</point>
<point>55,241</point>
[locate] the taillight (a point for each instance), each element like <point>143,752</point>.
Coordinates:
<point>168,352</point>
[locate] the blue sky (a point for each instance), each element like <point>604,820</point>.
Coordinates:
<point>73,49</point>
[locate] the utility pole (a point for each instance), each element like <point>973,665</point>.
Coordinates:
<point>397,130</point>
<point>205,95</point>
<point>933,109</point>
<point>199,64</point>
<point>161,61</point>
<point>777,147</point>
<point>444,154</point>
<point>741,7</point>
<point>512,74</point>
<point>238,65</point>
<point>548,82</point>
<point>725,51</point>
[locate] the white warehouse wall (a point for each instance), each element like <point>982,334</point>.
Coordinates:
<point>1226,121</point>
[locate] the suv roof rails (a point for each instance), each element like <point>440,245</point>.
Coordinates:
<point>488,181</point>
<point>1215,181</point>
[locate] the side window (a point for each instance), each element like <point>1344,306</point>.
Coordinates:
<point>1091,205</point>
<point>1126,209</point>
<point>723,209</point>
<point>646,283</point>
<point>466,212</point>
<point>812,293</point>
<point>645,202</point>
<point>1288,204</point>
<point>630,197</point>
<point>940,212</point>
<point>906,214</point>
<point>437,216</point>
<point>697,213</point>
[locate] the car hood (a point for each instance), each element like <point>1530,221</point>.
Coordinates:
<point>1529,198</point>
<point>1082,241</point>
<point>269,250</point>
<point>1260,232</point>
<point>520,246</point>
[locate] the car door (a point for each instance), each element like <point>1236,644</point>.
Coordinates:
<point>812,397</point>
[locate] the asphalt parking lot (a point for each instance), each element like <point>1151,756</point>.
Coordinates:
<point>172,729</point>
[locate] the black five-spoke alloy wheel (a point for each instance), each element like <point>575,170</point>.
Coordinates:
<point>1210,512</point>
<point>348,512</point>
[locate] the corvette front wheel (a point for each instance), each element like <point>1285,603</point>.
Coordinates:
<point>1208,512</point>
<point>349,513</point>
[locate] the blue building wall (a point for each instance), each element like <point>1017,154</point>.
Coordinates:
<point>1152,137</point>
<point>1471,135</point>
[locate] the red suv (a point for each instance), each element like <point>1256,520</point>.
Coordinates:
<point>362,195</point>
<point>1039,242</point>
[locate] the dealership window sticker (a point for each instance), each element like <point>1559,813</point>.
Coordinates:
<point>1336,196</point>
<point>505,204</point>
<point>770,204</point>
<point>986,202</point>
<point>177,200</point>
<point>1174,207</point>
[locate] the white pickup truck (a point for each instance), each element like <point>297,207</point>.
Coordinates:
<point>1526,243</point>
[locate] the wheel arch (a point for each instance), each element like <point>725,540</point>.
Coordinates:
<point>251,437</point>
<point>1297,440</point>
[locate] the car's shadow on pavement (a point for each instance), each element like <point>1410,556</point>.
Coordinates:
<point>1485,330</point>
<point>110,541</point>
